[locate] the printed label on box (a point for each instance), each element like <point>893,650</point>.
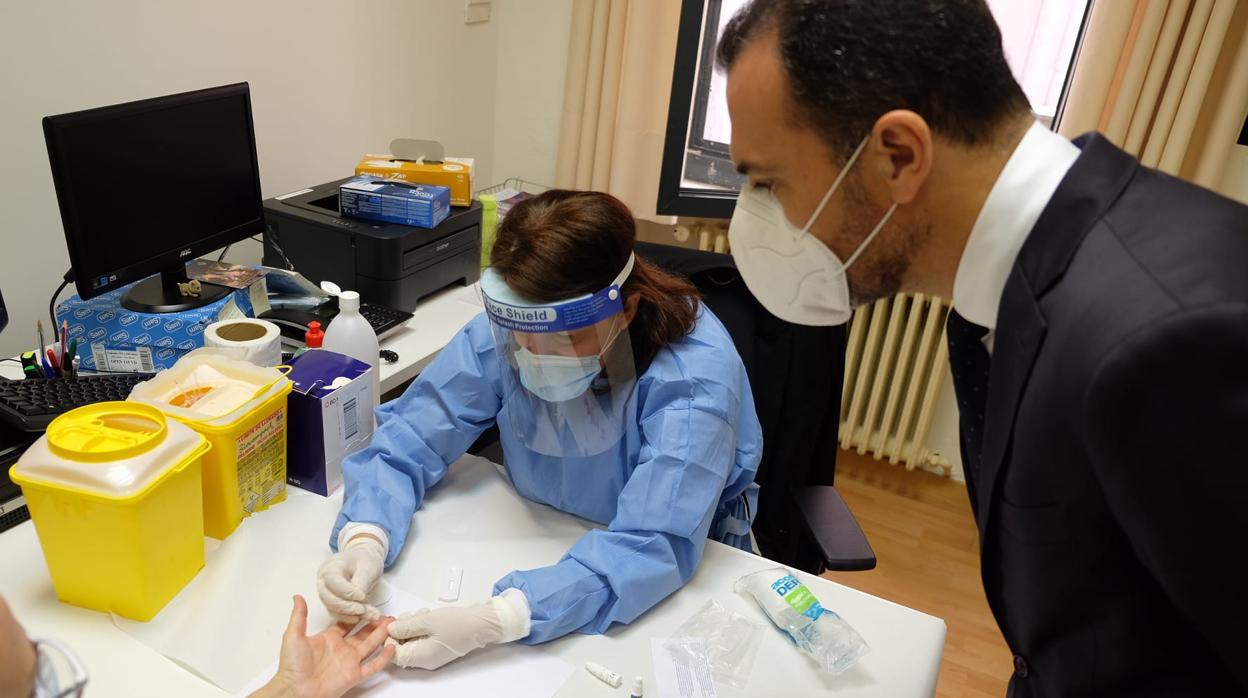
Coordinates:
<point>137,360</point>
<point>261,455</point>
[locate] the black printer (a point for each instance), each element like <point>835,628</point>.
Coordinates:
<point>389,264</point>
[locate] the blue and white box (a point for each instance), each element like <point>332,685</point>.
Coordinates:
<point>331,417</point>
<point>113,338</point>
<point>374,199</point>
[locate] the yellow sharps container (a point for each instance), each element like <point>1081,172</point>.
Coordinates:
<point>115,493</point>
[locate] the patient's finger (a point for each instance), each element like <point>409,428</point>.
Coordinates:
<point>366,644</point>
<point>377,663</point>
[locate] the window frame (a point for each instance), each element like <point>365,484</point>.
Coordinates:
<point>689,101</point>
<point>686,119</point>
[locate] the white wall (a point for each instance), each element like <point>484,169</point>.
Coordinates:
<point>532,63</point>
<point>329,81</point>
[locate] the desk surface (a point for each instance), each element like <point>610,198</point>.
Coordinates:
<point>475,520</point>
<point>435,321</point>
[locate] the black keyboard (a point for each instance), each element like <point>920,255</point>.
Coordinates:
<point>30,405</point>
<point>293,323</point>
<point>383,318</point>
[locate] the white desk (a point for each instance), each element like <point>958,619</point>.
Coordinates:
<point>454,528</point>
<point>437,319</point>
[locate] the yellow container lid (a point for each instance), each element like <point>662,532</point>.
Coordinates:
<point>110,449</point>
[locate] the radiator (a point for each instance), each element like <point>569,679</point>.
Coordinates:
<point>893,373</point>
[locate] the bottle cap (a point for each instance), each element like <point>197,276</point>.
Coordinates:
<point>349,300</point>
<point>638,687</point>
<point>314,336</point>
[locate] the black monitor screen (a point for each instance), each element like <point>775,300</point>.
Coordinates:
<point>151,184</point>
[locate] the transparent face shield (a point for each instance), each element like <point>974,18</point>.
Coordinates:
<point>567,367</point>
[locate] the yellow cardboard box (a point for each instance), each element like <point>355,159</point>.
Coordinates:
<point>453,173</point>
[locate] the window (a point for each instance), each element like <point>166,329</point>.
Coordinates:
<point>1039,37</point>
<point>698,178</point>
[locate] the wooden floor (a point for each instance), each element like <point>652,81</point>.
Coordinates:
<point>925,540</point>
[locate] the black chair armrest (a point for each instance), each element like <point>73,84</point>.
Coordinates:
<point>835,530</point>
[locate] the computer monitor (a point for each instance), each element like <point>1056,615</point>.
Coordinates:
<point>146,186</point>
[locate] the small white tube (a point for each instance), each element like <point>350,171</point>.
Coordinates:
<point>638,688</point>
<point>603,674</point>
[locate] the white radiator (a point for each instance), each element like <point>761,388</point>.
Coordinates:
<point>893,373</point>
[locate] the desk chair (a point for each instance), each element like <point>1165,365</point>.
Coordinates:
<point>796,374</point>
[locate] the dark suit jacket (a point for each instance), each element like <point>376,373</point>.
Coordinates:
<point>1113,491</point>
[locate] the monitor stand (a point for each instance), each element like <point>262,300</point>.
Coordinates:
<point>160,294</point>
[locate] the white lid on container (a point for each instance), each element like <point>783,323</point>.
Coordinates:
<point>349,300</point>
<point>110,449</point>
<point>243,382</point>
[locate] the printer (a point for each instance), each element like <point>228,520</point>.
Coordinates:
<point>387,263</point>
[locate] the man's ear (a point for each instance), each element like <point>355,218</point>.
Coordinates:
<point>901,146</point>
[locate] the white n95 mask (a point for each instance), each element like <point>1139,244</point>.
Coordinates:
<point>559,378</point>
<point>793,274</point>
<point>556,378</point>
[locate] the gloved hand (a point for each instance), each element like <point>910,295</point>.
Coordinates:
<point>428,639</point>
<point>347,577</point>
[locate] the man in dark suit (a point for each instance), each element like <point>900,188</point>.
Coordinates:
<point>1098,339</point>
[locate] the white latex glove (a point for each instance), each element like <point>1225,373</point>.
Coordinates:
<point>346,579</point>
<point>428,639</point>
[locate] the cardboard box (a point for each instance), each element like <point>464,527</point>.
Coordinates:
<point>327,424</point>
<point>370,198</point>
<point>112,338</point>
<point>453,173</point>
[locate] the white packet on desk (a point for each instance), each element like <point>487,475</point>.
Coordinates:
<point>731,642</point>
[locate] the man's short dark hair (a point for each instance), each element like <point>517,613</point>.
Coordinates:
<point>848,62</point>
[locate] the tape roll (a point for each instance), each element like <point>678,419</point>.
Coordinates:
<point>257,341</point>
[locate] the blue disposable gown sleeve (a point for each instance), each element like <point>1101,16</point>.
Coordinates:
<point>653,545</point>
<point>420,434</point>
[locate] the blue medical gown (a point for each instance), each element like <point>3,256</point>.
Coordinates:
<point>682,472</point>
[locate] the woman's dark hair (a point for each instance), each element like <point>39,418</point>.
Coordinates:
<point>565,243</point>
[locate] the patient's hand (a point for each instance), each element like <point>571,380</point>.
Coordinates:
<point>328,664</point>
<point>18,659</point>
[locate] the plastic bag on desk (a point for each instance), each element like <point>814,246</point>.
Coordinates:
<point>818,632</point>
<point>732,642</point>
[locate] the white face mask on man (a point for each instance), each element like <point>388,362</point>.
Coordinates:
<point>792,273</point>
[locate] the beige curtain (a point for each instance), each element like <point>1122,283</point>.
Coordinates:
<point>1166,80</point>
<point>620,61</point>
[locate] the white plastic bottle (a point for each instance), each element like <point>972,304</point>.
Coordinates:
<point>349,333</point>
<point>818,632</point>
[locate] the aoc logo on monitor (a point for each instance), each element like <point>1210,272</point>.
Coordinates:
<point>184,253</point>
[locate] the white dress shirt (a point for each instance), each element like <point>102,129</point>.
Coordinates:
<point>1021,192</point>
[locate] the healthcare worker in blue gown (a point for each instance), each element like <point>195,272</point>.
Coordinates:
<point>618,397</point>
